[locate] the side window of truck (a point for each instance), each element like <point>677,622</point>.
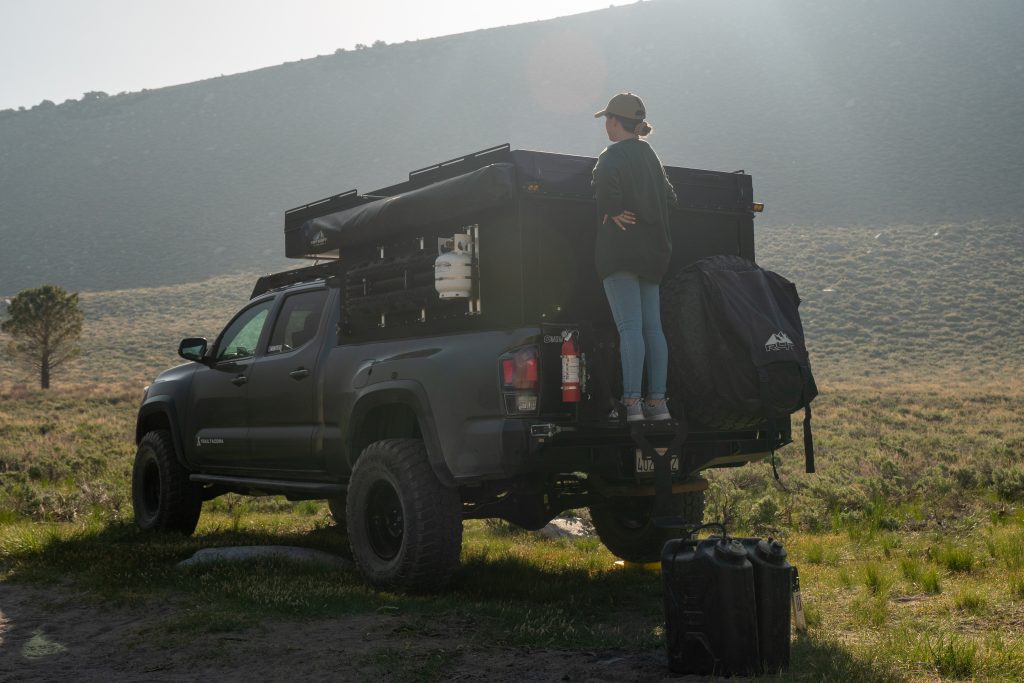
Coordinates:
<point>297,323</point>
<point>241,336</point>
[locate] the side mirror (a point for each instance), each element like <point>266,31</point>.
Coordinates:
<point>193,348</point>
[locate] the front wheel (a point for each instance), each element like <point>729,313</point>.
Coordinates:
<point>404,526</point>
<point>627,529</point>
<point>162,495</point>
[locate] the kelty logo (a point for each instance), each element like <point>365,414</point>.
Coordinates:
<point>779,342</point>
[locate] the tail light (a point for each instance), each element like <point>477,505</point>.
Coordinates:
<point>520,380</point>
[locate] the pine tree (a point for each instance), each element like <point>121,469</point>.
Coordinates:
<point>45,324</point>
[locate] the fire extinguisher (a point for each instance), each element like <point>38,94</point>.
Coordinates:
<point>570,369</point>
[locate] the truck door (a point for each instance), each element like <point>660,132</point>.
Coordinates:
<point>219,431</point>
<point>282,396</point>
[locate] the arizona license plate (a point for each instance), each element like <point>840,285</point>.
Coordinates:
<point>645,464</point>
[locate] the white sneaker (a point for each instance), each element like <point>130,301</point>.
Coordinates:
<point>657,410</point>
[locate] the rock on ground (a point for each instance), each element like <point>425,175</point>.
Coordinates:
<point>243,553</point>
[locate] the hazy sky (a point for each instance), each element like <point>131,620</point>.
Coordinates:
<point>59,49</point>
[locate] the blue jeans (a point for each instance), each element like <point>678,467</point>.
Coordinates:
<point>636,307</point>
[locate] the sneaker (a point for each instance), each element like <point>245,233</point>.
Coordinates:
<point>656,410</point>
<point>634,412</point>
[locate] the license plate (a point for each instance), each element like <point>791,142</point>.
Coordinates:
<point>645,464</point>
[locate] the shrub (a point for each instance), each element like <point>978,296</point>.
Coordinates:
<point>966,476</point>
<point>1008,483</point>
<point>763,511</point>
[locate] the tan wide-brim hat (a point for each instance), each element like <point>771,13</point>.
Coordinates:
<point>627,105</point>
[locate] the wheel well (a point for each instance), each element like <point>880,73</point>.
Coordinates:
<point>391,421</point>
<point>151,422</point>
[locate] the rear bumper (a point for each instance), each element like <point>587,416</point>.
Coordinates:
<point>520,447</point>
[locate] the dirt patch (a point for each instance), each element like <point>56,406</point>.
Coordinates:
<point>58,634</point>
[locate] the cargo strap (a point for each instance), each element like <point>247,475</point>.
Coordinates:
<point>664,513</point>
<point>808,440</point>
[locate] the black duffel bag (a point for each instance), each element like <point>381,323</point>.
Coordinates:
<point>737,356</point>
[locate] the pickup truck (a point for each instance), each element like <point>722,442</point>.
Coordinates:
<point>411,407</point>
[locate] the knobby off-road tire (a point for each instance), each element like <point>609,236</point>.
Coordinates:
<point>404,526</point>
<point>624,524</point>
<point>162,495</point>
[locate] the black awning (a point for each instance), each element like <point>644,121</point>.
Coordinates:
<point>484,188</point>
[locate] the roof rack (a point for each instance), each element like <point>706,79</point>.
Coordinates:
<point>286,278</point>
<point>470,160</point>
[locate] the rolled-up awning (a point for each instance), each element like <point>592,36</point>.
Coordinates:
<point>484,188</point>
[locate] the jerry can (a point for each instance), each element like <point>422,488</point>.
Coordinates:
<point>710,610</point>
<point>773,583</point>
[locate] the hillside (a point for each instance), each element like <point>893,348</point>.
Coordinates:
<point>855,113</point>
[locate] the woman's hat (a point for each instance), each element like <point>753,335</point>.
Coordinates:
<point>627,105</point>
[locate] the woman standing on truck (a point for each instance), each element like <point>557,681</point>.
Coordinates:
<point>634,246</point>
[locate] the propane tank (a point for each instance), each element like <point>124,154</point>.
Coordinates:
<point>453,270</point>
<point>570,369</point>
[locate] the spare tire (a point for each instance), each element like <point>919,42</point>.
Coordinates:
<point>692,348</point>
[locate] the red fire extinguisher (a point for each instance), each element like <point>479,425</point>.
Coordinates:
<point>570,368</point>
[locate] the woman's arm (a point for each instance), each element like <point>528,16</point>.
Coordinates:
<point>608,190</point>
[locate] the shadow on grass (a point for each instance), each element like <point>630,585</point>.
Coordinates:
<point>816,659</point>
<point>506,600</point>
<point>511,598</point>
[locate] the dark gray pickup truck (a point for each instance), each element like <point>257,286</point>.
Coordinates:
<point>417,377</point>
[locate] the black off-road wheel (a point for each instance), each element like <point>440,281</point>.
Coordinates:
<point>162,495</point>
<point>624,525</point>
<point>404,526</point>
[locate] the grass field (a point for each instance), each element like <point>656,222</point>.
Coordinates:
<point>910,540</point>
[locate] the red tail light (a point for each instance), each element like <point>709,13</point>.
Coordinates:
<point>520,380</point>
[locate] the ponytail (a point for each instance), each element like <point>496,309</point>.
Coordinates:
<point>634,126</point>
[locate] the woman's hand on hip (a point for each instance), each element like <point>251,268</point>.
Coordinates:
<point>622,220</point>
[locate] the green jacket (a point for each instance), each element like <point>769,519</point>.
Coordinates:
<point>629,177</point>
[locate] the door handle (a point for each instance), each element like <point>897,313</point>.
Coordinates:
<point>300,373</point>
<point>240,380</point>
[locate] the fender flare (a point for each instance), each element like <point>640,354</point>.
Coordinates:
<point>163,405</point>
<point>408,393</point>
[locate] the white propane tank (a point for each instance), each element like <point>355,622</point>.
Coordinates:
<point>453,270</point>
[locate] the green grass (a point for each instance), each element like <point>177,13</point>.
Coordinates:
<point>930,582</point>
<point>970,602</point>
<point>907,573</point>
<point>955,559</point>
<point>514,590</point>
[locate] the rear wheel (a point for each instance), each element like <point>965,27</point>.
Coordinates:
<point>404,526</point>
<point>163,497</point>
<point>626,528</point>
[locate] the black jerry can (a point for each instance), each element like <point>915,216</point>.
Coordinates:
<point>773,585</point>
<point>711,622</point>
